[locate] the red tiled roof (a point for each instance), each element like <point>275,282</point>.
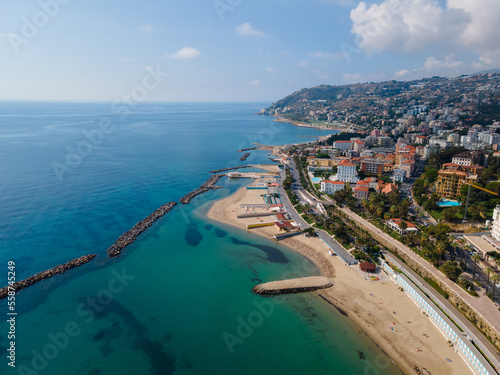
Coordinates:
<point>346,163</point>
<point>399,221</point>
<point>361,188</point>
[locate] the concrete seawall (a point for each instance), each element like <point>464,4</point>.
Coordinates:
<point>4,292</point>
<point>301,285</point>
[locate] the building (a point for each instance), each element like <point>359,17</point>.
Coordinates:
<point>331,187</point>
<point>430,150</point>
<point>346,172</point>
<point>495,229</point>
<point>399,175</point>
<point>395,224</point>
<point>451,179</point>
<point>358,146</point>
<point>372,166</point>
<point>321,163</point>
<point>361,192</point>
<point>343,145</point>
<point>464,158</point>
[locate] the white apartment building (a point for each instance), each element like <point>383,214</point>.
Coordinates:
<point>346,172</point>
<point>331,187</point>
<point>495,229</point>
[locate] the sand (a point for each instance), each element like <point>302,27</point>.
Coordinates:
<point>384,312</point>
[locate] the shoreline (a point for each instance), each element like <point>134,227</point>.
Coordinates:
<point>341,128</point>
<point>370,304</point>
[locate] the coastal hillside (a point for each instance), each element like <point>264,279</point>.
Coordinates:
<point>385,101</point>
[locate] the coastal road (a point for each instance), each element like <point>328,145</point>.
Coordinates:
<point>482,305</point>
<point>288,206</point>
<point>458,318</point>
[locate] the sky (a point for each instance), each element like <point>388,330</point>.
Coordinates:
<point>234,50</point>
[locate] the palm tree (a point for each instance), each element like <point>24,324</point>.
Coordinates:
<point>475,258</point>
<point>495,279</point>
<point>440,248</point>
<point>488,271</point>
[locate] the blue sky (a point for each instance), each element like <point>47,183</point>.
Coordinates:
<point>224,50</point>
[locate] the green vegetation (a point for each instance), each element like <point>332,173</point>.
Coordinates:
<point>436,286</point>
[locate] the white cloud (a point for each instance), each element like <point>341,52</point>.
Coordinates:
<point>185,53</point>
<point>254,83</point>
<point>326,55</point>
<point>270,70</point>
<point>303,64</point>
<point>247,29</point>
<point>413,25</point>
<point>146,28</point>
<point>432,66</point>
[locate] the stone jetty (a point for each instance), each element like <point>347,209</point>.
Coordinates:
<point>244,157</point>
<point>301,285</point>
<point>130,236</point>
<point>230,169</point>
<point>209,184</point>
<point>247,149</point>
<point>4,292</point>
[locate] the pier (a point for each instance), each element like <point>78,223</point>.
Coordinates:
<point>301,285</point>
<point>209,184</point>
<point>244,157</point>
<point>4,292</point>
<point>130,236</point>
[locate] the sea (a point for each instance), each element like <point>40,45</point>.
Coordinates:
<point>75,176</point>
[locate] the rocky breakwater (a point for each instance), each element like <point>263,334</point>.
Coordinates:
<point>301,285</point>
<point>230,169</point>
<point>245,156</point>
<point>209,184</point>
<point>130,236</point>
<point>46,274</point>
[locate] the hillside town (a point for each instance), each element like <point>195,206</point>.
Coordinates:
<point>415,170</point>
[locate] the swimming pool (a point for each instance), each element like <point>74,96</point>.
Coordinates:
<point>316,180</point>
<point>448,203</point>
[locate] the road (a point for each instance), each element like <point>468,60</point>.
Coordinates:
<point>458,318</point>
<point>482,305</point>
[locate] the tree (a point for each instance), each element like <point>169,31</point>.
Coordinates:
<point>495,279</point>
<point>451,270</point>
<point>475,258</point>
<point>440,248</point>
<point>403,225</point>
<point>488,271</point>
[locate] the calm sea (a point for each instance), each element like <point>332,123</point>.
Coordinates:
<point>75,176</point>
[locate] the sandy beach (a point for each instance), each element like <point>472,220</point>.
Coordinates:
<point>384,312</point>
<point>338,127</point>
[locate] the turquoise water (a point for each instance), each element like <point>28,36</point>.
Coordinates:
<point>316,180</point>
<point>179,300</point>
<point>448,203</point>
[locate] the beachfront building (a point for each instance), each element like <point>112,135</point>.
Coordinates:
<point>331,187</point>
<point>395,224</point>
<point>346,172</point>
